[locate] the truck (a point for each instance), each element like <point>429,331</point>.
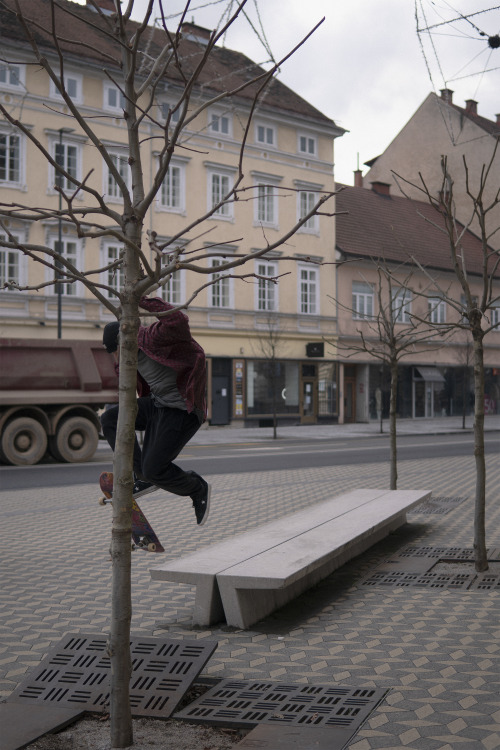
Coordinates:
<point>51,393</point>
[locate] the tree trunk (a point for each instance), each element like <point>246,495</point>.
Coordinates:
<point>480,556</point>
<point>392,425</point>
<point>121,603</point>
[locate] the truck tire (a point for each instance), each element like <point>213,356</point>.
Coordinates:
<point>76,440</point>
<point>24,441</point>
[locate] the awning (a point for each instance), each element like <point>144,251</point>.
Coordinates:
<point>430,374</point>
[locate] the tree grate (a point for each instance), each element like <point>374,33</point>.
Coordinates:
<point>439,505</point>
<point>243,704</point>
<point>76,673</point>
<point>420,567</point>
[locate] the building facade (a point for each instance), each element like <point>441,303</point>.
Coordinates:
<point>287,165</point>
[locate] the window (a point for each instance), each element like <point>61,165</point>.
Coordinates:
<point>266,376</point>
<point>495,317</point>
<point>266,204</point>
<point>401,305</point>
<point>112,188</point>
<point>307,145</point>
<point>220,291</point>
<point>115,277</point>
<point>10,266</point>
<point>362,300</point>
<point>172,194</point>
<point>219,186</point>
<point>12,76</point>
<point>10,159</point>
<point>73,86</point>
<point>308,290</point>
<point>173,291</point>
<point>265,135</point>
<point>113,98</point>
<point>66,155</point>
<point>307,201</point>
<point>266,290</point>
<point>437,310</point>
<point>219,123</point>
<point>69,250</point>
<point>166,109</point>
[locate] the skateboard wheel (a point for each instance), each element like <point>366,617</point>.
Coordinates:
<point>151,547</point>
<point>102,501</point>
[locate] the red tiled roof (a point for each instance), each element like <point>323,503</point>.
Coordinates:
<point>396,229</point>
<point>226,69</point>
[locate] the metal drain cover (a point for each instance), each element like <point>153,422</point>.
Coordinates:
<point>76,673</point>
<point>243,704</point>
<point>272,737</point>
<point>439,505</point>
<point>427,580</point>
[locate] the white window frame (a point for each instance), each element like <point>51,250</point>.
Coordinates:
<point>306,200</point>
<point>222,290</point>
<point>266,292</point>
<point>165,107</point>
<point>307,144</point>
<point>110,188</point>
<point>220,123</point>
<point>53,176</point>
<point>69,76</point>
<point>363,301</point>
<point>115,277</point>
<point>401,305</point>
<point>118,108</point>
<point>20,182</point>
<point>308,290</point>
<point>174,291</point>
<point>69,290</point>
<point>216,192</point>
<point>495,317</point>
<point>266,204</point>
<point>175,180</point>
<point>19,261</point>
<point>15,76</point>
<point>264,131</point>
<point>436,307</point>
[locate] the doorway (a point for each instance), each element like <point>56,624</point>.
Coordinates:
<point>309,395</point>
<point>349,393</point>
<point>221,393</point>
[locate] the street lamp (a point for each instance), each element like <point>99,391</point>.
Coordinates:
<point>59,179</point>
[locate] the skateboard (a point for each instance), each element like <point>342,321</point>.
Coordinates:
<point>143,536</point>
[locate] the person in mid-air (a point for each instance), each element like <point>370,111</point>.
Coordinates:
<point>171,385</point>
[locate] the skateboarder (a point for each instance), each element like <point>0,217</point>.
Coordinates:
<point>171,385</point>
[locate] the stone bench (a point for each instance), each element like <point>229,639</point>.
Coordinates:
<point>244,578</point>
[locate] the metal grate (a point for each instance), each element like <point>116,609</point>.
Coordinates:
<point>244,704</point>
<point>439,505</point>
<point>273,737</point>
<point>427,580</point>
<point>76,673</point>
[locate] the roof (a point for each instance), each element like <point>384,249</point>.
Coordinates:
<point>395,229</point>
<point>226,69</point>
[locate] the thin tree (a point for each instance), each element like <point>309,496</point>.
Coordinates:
<point>388,335</point>
<point>137,59</point>
<point>270,343</point>
<point>480,298</point>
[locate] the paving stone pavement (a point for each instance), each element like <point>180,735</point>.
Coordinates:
<point>436,651</point>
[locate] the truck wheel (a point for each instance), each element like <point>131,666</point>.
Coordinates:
<point>76,440</point>
<point>24,441</point>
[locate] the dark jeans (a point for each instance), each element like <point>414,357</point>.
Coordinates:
<point>166,432</point>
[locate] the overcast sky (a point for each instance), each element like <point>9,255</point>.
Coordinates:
<point>365,67</point>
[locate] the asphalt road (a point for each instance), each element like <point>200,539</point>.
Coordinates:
<point>259,456</point>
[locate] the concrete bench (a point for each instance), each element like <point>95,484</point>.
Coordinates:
<point>244,578</point>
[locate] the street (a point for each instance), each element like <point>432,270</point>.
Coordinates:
<point>259,456</point>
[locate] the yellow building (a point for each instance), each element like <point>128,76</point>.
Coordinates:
<point>288,163</point>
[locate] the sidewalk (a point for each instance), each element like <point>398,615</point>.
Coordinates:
<point>440,425</point>
<point>435,649</point>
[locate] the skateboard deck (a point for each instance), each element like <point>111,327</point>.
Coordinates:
<point>143,535</point>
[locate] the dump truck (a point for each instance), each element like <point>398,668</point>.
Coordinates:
<point>51,393</point>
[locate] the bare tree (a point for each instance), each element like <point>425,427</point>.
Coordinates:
<point>480,299</point>
<point>270,343</point>
<point>137,59</point>
<point>388,335</point>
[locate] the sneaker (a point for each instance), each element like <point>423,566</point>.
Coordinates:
<point>201,503</point>
<point>141,487</point>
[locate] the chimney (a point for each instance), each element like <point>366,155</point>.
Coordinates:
<point>381,188</point>
<point>470,107</point>
<point>358,178</point>
<point>447,96</point>
<point>195,33</point>
<point>107,6</point>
